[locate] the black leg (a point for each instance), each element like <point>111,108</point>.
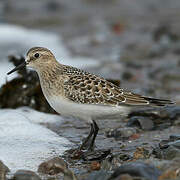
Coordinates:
<point>91,132</point>
<point>96,129</point>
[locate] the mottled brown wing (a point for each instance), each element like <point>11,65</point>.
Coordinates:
<point>86,88</point>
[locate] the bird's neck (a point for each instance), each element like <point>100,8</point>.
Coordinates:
<point>50,78</point>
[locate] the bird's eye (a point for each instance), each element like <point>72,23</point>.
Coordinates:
<point>36,55</point>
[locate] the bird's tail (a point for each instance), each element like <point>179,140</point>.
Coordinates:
<point>158,102</point>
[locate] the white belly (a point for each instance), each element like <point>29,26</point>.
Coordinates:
<point>85,111</point>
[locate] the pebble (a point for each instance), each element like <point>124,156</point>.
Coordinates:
<point>168,149</point>
<point>137,168</point>
<point>144,123</point>
<point>121,133</point>
<point>26,175</point>
<point>53,166</point>
<point>99,175</point>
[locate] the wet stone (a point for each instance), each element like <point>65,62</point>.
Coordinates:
<point>115,160</point>
<point>174,137</point>
<point>97,155</point>
<point>26,175</point>
<point>95,165</point>
<point>161,117</point>
<point>170,169</point>
<point>137,169</point>
<point>99,175</point>
<point>141,153</point>
<point>144,123</point>
<point>168,149</point>
<point>53,166</point>
<point>3,170</point>
<point>121,133</point>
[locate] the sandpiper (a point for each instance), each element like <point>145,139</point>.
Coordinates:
<point>77,93</point>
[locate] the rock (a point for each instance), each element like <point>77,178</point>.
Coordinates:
<point>164,30</point>
<point>170,169</point>
<point>127,75</point>
<point>99,175</point>
<point>69,175</point>
<point>3,171</point>
<point>95,165</point>
<point>169,174</point>
<point>168,149</point>
<point>139,169</point>
<point>124,177</point>
<point>26,175</point>
<point>114,161</point>
<point>121,133</point>
<point>97,155</point>
<point>53,166</point>
<point>141,153</point>
<point>56,166</point>
<point>144,123</point>
<point>166,115</point>
<point>174,137</point>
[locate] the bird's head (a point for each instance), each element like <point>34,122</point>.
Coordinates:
<point>37,57</point>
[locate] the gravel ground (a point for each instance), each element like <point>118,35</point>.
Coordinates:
<point>136,42</point>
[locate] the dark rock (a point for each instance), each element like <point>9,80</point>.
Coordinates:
<point>174,137</point>
<point>54,6</point>
<point>168,149</point>
<point>159,116</point>
<point>144,123</point>
<point>53,166</point>
<point>137,169</point>
<point>3,171</point>
<point>26,175</point>
<point>164,30</point>
<point>97,155</point>
<point>121,133</point>
<point>99,175</point>
<point>115,160</point>
<point>127,75</point>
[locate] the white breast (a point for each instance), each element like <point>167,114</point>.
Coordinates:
<point>85,111</point>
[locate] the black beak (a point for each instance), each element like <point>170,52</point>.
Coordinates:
<point>17,68</point>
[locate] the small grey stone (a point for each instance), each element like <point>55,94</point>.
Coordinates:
<point>26,175</point>
<point>145,123</point>
<point>121,133</point>
<point>139,169</point>
<point>99,175</point>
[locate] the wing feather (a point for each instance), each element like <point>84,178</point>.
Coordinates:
<point>83,87</point>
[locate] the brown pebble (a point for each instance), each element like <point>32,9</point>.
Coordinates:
<point>170,174</point>
<point>141,153</point>
<point>134,136</point>
<point>53,166</point>
<point>95,166</point>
